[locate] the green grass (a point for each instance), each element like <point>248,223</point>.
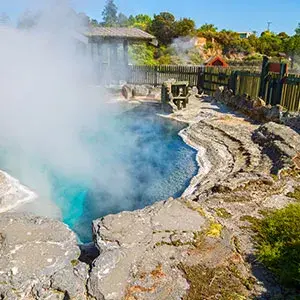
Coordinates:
<point>296,194</point>
<point>223,213</point>
<point>213,283</point>
<point>278,244</point>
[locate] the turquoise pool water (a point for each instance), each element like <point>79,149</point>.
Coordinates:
<point>140,161</point>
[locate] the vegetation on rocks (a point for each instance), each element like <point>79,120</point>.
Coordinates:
<point>214,283</point>
<point>278,244</point>
<point>223,213</point>
<point>296,194</point>
<point>214,230</point>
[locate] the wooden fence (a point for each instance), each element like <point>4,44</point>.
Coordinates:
<point>157,75</point>
<point>273,88</point>
<point>290,97</point>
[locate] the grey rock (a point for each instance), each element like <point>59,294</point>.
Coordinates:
<point>39,258</point>
<point>129,244</point>
<point>279,142</point>
<point>127,91</point>
<point>292,120</point>
<point>12,193</point>
<point>140,90</point>
<point>274,114</point>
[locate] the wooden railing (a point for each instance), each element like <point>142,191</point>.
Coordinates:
<point>157,75</point>
<point>273,88</point>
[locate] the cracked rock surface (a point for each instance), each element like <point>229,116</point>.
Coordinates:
<point>39,259</point>
<point>136,258</point>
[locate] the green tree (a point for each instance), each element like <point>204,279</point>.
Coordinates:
<point>109,14</point>
<point>142,54</point>
<point>293,45</point>
<point>208,27</point>
<point>253,41</point>
<point>270,44</point>
<point>122,20</point>
<point>184,27</point>
<point>231,42</point>
<point>283,35</point>
<point>94,22</point>
<point>140,21</point>
<point>163,27</point>
<point>297,30</point>
<point>208,31</point>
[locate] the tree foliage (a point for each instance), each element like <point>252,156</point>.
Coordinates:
<point>184,27</point>
<point>163,27</point>
<point>167,30</point>
<point>208,28</point>
<point>142,54</point>
<point>140,21</point>
<point>110,14</point>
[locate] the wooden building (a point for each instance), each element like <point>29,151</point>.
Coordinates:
<point>216,61</point>
<point>108,47</point>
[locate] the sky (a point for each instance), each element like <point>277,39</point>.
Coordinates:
<point>236,15</point>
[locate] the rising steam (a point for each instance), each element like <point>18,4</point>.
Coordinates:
<point>61,136</point>
<point>47,103</point>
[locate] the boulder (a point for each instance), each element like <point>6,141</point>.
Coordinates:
<point>274,114</point>
<point>279,142</point>
<point>140,91</point>
<point>258,103</point>
<point>137,253</point>
<point>127,91</point>
<point>292,120</point>
<point>144,254</point>
<point>39,259</point>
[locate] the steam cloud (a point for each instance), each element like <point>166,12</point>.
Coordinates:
<point>47,105</point>
<point>185,50</point>
<point>60,135</point>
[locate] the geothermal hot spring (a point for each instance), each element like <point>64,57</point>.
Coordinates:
<point>61,136</point>
<point>146,161</point>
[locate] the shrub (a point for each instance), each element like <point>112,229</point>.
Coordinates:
<point>296,194</point>
<point>278,244</point>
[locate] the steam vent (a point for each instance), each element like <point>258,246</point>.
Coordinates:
<point>145,158</point>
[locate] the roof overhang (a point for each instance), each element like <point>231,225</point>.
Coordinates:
<point>120,34</point>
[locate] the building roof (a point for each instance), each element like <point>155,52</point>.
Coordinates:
<point>211,61</point>
<point>120,33</point>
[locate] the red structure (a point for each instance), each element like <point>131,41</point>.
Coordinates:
<point>276,68</point>
<point>216,61</point>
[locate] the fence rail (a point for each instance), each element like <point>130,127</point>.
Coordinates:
<point>273,88</point>
<point>156,75</point>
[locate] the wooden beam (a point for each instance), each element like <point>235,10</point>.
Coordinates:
<point>125,52</point>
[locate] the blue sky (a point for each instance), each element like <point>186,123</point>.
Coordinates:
<point>237,15</point>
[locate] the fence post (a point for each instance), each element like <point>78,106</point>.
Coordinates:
<point>232,81</point>
<point>279,84</point>
<point>264,73</point>
<point>200,81</point>
<point>155,75</point>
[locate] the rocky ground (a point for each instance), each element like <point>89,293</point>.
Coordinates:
<point>12,193</point>
<point>196,247</point>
